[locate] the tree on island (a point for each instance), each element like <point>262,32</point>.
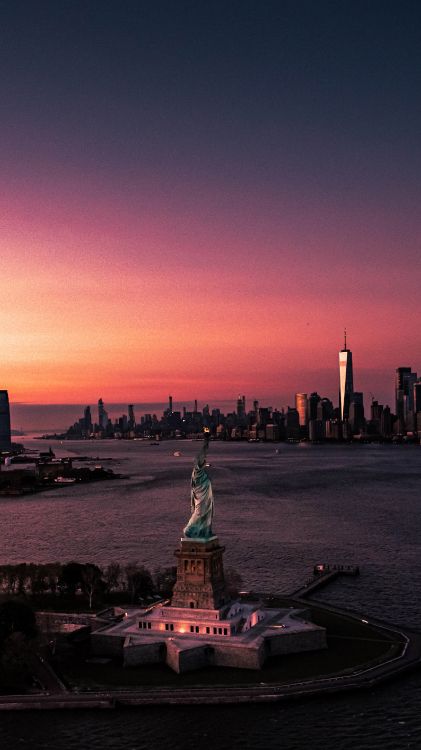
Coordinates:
<point>56,585</point>
<point>233,582</point>
<point>139,581</point>
<point>112,577</point>
<point>17,634</point>
<point>91,581</point>
<point>164,580</point>
<point>71,578</point>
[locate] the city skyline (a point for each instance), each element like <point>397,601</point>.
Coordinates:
<point>404,382</point>
<point>197,200</point>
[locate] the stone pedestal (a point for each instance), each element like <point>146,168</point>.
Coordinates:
<point>200,575</point>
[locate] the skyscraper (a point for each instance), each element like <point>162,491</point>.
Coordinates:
<point>241,406</point>
<point>356,412</point>
<point>405,380</point>
<point>102,415</point>
<point>87,421</point>
<point>346,381</point>
<point>313,401</point>
<point>417,407</point>
<point>301,405</point>
<point>5,432</point>
<point>401,376</point>
<point>417,397</point>
<point>132,418</point>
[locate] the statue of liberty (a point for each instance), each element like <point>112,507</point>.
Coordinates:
<point>200,523</point>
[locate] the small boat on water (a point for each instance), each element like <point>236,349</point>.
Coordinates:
<point>65,480</point>
<point>177,453</point>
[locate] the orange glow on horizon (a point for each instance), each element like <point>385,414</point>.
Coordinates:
<point>99,300</point>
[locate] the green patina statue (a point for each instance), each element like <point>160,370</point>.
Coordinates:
<point>200,523</point>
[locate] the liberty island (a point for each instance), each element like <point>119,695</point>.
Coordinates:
<point>202,626</point>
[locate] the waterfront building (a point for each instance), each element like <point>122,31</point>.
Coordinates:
<point>241,407</point>
<point>332,429</point>
<point>417,397</point>
<point>313,401</point>
<point>356,413</point>
<point>401,373</point>
<point>408,402</point>
<point>87,421</point>
<point>102,415</point>
<point>418,423</point>
<point>376,410</point>
<point>292,424</point>
<point>301,405</point>
<point>132,418</point>
<point>316,430</point>
<point>5,431</point>
<point>255,413</point>
<point>272,433</point>
<point>265,415</point>
<point>386,423</point>
<point>324,409</point>
<point>346,381</point>
<point>405,380</point>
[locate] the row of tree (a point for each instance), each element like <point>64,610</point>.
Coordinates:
<point>133,582</point>
<point>130,583</point>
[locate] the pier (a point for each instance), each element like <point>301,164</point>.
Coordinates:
<point>324,573</point>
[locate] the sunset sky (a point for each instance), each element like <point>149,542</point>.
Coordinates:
<point>197,197</point>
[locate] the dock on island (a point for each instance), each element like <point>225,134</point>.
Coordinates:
<point>324,573</point>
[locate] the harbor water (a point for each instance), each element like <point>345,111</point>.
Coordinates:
<point>278,510</point>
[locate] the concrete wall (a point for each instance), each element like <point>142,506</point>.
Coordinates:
<point>107,645</point>
<point>240,658</point>
<point>291,643</point>
<point>195,658</point>
<point>188,660</point>
<point>135,654</point>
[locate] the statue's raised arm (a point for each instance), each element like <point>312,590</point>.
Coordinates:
<point>200,523</point>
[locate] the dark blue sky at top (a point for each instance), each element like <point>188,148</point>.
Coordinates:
<point>323,92</point>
